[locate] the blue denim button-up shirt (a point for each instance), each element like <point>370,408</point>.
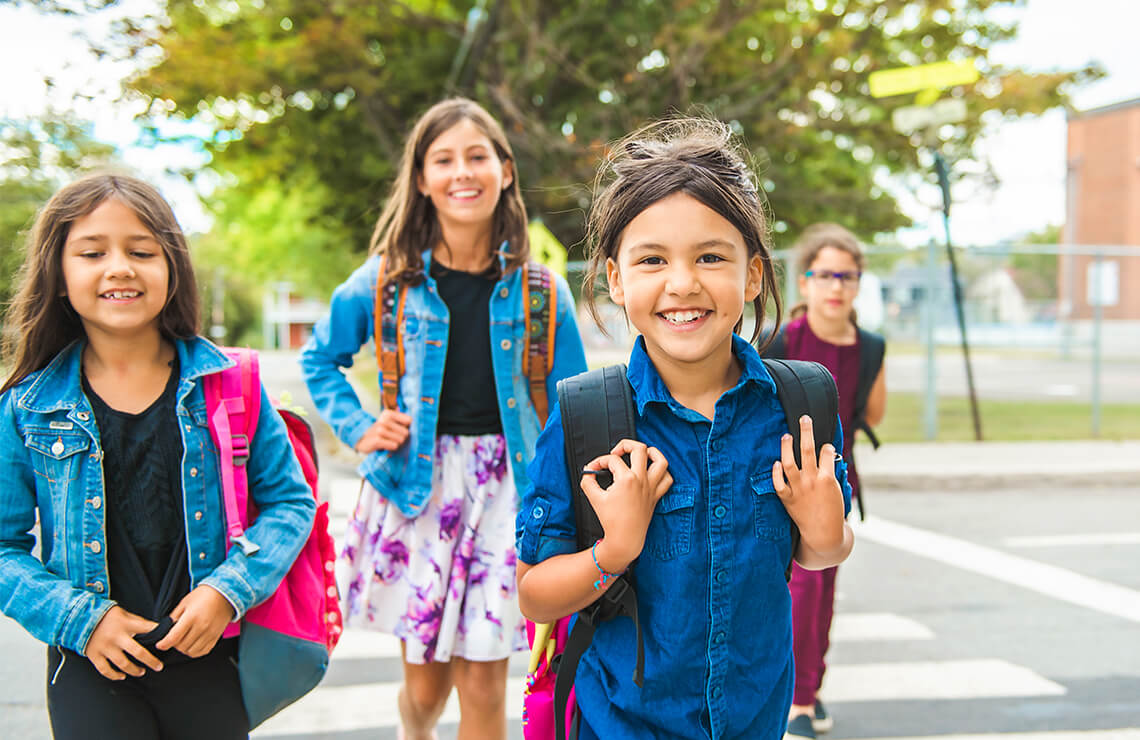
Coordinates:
<point>712,598</point>
<point>51,456</point>
<point>404,476</point>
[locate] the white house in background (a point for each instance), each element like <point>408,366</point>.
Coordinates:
<point>288,319</point>
<point>997,298</point>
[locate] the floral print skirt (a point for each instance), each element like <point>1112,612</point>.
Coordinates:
<point>443,582</point>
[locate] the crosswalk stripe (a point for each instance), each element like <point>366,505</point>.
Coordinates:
<point>1069,540</point>
<point>941,679</point>
<point>863,627</point>
<point>1121,734</point>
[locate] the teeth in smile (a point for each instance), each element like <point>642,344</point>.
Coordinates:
<point>682,317</point>
<point>121,294</point>
<point>464,193</point>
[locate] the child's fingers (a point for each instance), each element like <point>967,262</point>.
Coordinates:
<point>807,447</point>
<point>592,490</point>
<point>174,638</point>
<point>612,463</point>
<point>778,482</point>
<point>142,655</point>
<point>107,668</point>
<point>827,460</point>
<point>788,461</point>
<point>626,447</point>
<point>639,459</point>
<point>663,486</point>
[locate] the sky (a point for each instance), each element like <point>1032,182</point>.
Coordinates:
<point>1027,155</point>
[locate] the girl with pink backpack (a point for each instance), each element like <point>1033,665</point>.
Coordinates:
<point>104,437</point>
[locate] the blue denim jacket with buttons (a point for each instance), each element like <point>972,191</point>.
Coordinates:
<point>404,476</point>
<point>51,456</point>
<point>711,596</point>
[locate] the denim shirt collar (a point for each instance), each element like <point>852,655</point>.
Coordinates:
<point>57,386</point>
<point>649,387</point>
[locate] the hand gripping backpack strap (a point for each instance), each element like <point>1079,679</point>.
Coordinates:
<point>233,404</point>
<point>389,317</point>
<point>597,412</point>
<point>540,302</point>
<point>805,388</point>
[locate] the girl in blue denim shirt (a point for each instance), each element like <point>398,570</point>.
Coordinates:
<point>103,434</point>
<point>703,499</point>
<point>429,553</point>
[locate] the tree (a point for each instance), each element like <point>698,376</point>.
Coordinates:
<point>37,156</point>
<point>316,96</point>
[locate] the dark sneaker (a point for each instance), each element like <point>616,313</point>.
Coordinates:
<point>800,727</point>
<point>821,721</point>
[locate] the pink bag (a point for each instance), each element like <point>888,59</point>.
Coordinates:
<point>546,645</point>
<point>285,641</point>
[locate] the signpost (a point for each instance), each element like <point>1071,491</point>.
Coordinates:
<point>926,80</point>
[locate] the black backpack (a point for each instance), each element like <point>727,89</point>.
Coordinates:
<point>598,412</point>
<point>872,348</point>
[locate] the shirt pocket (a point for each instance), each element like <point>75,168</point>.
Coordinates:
<point>671,529</point>
<point>55,456</point>
<point>772,520</point>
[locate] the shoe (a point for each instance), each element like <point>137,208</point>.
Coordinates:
<point>800,727</point>
<point>821,721</point>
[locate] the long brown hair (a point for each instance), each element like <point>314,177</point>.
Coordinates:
<point>813,241</point>
<point>40,320</point>
<point>408,223</point>
<point>695,156</point>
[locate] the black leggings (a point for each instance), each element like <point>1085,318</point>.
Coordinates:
<point>197,699</point>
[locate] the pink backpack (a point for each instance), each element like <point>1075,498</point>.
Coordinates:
<point>547,642</point>
<point>285,641</point>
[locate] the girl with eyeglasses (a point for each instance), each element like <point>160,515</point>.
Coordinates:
<point>823,328</point>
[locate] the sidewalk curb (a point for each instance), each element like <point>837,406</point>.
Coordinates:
<point>971,481</point>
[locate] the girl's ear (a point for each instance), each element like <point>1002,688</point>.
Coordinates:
<point>508,173</point>
<point>803,286</point>
<point>755,278</point>
<point>421,188</point>
<point>613,278</point>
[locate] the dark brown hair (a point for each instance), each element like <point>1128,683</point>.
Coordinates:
<point>408,224</point>
<point>695,156</point>
<point>40,320</point>
<point>813,241</point>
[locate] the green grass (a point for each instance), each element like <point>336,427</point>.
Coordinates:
<point>1006,420</point>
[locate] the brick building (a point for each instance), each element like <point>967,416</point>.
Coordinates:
<point>1103,193</point>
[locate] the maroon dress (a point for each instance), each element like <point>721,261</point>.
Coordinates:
<point>813,591</point>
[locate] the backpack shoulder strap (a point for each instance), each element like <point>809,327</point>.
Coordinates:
<point>597,413</point>
<point>778,349</point>
<point>233,404</point>
<point>389,317</point>
<point>540,302</point>
<point>872,348</point>
<point>805,388</point>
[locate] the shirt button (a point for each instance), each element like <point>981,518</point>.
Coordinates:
<point>187,427</point>
<point>201,556</point>
<point>719,638</point>
<point>518,457</point>
<point>98,587</point>
<point>717,691</point>
<point>510,403</point>
<point>197,516</point>
<point>96,547</point>
<point>721,577</point>
<point>503,293</point>
<point>57,448</point>
<point>96,502</point>
<point>718,444</point>
<point>83,416</point>
<point>505,344</point>
<point>538,512</point>
<point>193,472</point>
<point>720,511</point>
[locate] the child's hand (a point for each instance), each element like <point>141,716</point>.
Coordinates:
<point>626,507</point>
<point>114,640</point>
<point>812,495</point>
<point>387,433</point>
<point>199,620</point>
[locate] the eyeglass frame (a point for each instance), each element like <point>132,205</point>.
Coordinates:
<point>846,278</point>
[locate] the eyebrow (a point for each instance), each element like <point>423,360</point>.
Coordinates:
<point>708,243</point>
<point>104,237</point>
<point>449,150</point>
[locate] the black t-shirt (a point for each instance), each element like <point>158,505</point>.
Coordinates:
<point>142,478</point>
<point>468,403</point>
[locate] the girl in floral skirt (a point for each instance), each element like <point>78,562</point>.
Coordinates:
<point>429,554</point>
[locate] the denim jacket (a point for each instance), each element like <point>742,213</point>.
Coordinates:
<point>404,476</point>
<point>51,456</point>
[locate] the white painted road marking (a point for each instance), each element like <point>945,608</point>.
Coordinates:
<point>870,626</point>
<point>1068,540</point>
<point>937,679</point>
<point>1057,583</point>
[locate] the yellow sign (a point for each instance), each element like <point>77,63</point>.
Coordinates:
<point>935,76</point>
<point>545,247</point>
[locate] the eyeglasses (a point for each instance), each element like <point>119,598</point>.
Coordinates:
<point>825,277</point>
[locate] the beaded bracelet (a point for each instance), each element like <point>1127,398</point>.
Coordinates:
<point>605,575</point>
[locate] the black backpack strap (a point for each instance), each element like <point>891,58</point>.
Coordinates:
<point>805,388</point>
<point>778,349</point>
<point>597,412</point>
<point>872,348</point>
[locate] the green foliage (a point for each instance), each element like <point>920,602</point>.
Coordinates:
<point>312,98</point>
<point>36,157</point>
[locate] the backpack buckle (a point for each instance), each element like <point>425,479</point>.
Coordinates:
<point>240,444</point>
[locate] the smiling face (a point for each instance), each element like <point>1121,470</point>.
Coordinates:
<point>463,176</point>
<point>115,272</point>
<point>683,275</point>
<point>828,297</point>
